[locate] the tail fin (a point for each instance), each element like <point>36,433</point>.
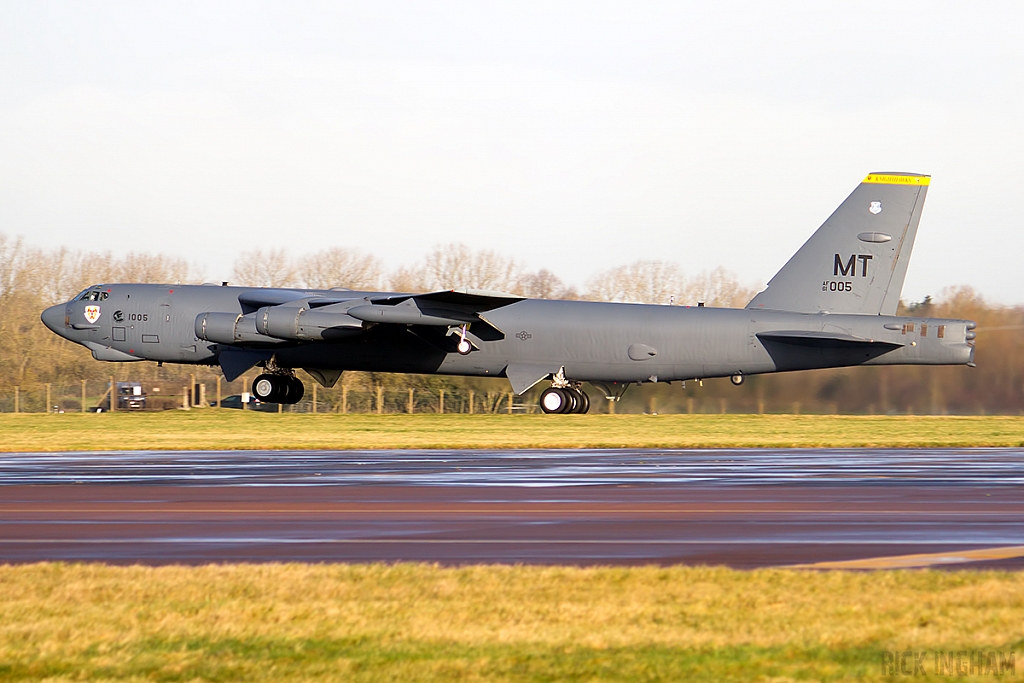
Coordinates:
<point>857,260</point>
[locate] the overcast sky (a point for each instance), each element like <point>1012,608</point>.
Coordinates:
<point>572,136</point>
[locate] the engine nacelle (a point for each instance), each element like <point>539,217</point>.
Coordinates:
<point>305,324</point>
<point>230,328</point>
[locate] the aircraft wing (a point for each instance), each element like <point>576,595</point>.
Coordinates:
<point>258,298</point>
<point>470,300</point>
<point>276,315</point>
<point>446,308</point>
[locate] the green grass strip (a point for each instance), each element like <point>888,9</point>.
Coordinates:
<point>233,429</point>
<point>301,622</point>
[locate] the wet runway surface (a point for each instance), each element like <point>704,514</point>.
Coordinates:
<point>744,508</point>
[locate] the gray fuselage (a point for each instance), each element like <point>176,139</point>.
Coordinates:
<point>591,341</point>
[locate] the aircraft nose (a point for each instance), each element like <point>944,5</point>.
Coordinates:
<point>53,317</point>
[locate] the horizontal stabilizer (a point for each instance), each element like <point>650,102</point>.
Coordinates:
<point>822,340</point>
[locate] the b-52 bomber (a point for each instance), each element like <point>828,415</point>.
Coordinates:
<point>832,305</point>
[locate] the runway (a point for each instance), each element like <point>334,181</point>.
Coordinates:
<point>743,508</point>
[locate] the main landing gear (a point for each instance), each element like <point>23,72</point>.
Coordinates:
<point>564,400</point>
<point>564,396</point>
<point>278,388</point>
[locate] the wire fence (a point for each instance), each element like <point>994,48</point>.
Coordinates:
<point>195,394</point>
<point>95,396</point>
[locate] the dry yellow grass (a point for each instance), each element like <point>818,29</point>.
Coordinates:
<point>232,429</point>
<point>422,622</point>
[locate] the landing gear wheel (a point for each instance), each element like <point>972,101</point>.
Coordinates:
<point>278,389</point>
<point>464,347</point>
<point>555,401</point>
<point>266,388</point>
<point>737,380</point>
<point>296,390</point>
<point>573,404</point>
<point>582,402</point>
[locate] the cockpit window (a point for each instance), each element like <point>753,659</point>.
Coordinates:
<point>94,295</point>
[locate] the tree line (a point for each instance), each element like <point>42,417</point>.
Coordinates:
<point>33,278</point>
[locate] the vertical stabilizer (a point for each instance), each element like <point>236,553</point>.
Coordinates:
<point>857,260</point>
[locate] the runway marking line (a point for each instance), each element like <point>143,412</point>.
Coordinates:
<point>487,507</point>
<point>483,541</point>
<point>920,560</point>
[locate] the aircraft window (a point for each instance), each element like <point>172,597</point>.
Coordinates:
<point>924,330</point>
<point>104,295</point>
<point>941,331</point>
<point>94,295</point>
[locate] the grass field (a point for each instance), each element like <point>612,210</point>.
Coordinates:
<point>419,622</point>
<point>234,429</point>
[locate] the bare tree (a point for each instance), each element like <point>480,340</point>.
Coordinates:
<point>411,279</point>
<point>339,267</point>
<point>718,288</point>
<point>272,268</point>
<point>152,268</point>
<point>456,265</point>
<point>452,266</point>
<point>543,285</point>
<point>642,282</point>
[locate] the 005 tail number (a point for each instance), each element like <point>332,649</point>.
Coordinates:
<point>834,286</point>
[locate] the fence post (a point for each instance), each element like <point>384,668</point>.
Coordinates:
<point>380,399</point>
<point>193,400</point>
<point>440,406</point>
<point>510,403</point>
<point>412,405</point>
<point>48,406</point>
<point>17,400</point>
<point>218,391</point>
<point>83,396</point>
<point>470,401</point>
<point>113,395</point>
<point>344,398</point>
<point>314,398</point>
